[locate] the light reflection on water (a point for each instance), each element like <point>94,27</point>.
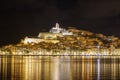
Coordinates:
<point>59,67</point>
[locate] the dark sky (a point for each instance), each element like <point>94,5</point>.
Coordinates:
<point>20,18</point>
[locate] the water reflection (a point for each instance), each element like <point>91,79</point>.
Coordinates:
<point>59,67</point>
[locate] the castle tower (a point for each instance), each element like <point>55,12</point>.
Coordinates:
<point>55,29</point>
<point>57,25</point>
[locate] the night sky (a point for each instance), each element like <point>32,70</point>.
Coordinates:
<point>20,18</point>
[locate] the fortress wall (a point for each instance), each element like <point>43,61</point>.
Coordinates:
<point>38,40</point>
<point>32,40</point>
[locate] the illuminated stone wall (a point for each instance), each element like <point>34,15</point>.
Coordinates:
<point>48,35</point>
<point>38,40</point>
<point>32,40</point>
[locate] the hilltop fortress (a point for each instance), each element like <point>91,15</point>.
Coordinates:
<point>48,36</point>
<point>71,38</point>
<point>67,42</point>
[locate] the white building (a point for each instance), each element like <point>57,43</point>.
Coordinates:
<point>48,36</point>
<point>65,32</point>
<point>28,40</point>
<point>57,29</point>
<point>32,40</point>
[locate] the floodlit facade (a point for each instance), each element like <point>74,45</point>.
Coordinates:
<point>28,40</point>
<point>32,40</point>
<point>57,29</point>
<point>50,36</point>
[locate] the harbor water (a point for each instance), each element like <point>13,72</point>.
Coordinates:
<point>59,67</point>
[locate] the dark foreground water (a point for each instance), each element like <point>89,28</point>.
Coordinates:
<point>59,68</point>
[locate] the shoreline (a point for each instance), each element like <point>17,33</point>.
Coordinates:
<point>45,52</point>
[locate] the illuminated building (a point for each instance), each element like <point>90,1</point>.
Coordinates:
<point>57,29</point>
<point>50,36</point>
<point>38,40</point>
